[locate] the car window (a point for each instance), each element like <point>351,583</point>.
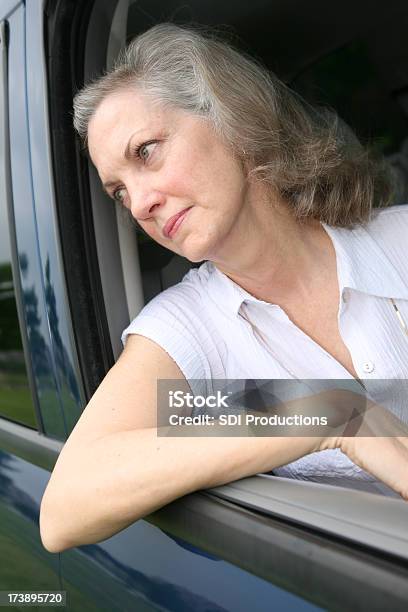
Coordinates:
<point>15,396</point>
<point>133,268</point>
<point>350,76</point>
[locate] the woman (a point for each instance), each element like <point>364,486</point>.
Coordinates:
<point>301,279</point>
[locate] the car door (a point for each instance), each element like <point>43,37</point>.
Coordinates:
<point>234,548</point>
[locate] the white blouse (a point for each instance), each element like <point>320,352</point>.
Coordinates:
<point>214,329</point>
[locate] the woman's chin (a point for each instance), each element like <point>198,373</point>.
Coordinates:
<point>194,258</point>
<point>194,252</point>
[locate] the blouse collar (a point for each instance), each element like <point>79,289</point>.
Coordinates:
<point>362,265</point>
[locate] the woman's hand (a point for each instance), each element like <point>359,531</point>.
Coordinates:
<point>384,458</point>
<point>369,434</point>
<point>379,446</point>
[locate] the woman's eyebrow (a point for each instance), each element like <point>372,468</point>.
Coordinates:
<point>127,155</point>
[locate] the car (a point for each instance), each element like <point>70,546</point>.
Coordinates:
<point>74,270</point>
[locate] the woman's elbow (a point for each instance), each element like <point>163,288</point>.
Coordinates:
<point>60,508</point>
<point>51,528</point>
<point>50,543</point>
<point>58,522</point>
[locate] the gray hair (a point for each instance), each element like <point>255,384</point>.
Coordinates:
<point>305,153</point>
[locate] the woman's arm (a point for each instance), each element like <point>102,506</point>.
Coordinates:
<point>96,491</point>
<point>114,469</point>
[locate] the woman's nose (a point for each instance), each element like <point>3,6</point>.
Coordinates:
<point>145,205</point>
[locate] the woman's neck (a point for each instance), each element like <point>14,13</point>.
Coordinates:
<point>287,261</point>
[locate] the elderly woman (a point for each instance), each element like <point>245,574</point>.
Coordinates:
<point>218,161</point>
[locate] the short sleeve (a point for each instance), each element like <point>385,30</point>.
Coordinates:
<point>170,321</point>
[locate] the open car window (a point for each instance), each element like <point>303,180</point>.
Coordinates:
<point>343,67</point>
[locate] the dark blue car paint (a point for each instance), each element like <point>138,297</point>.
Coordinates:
<point>141,568</point>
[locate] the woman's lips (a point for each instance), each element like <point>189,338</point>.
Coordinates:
<point>174,223</point>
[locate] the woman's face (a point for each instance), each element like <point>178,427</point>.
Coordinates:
<point>157,162</point>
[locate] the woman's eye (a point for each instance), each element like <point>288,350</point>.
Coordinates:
<point>116,195</point>
<point>142,151</point>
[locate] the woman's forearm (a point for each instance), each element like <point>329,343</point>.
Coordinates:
<point>99,488</point>
<point>124,476</point>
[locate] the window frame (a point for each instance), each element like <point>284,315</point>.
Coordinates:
<point>65,30</point>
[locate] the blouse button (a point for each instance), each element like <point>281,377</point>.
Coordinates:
<point>368,367</point>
